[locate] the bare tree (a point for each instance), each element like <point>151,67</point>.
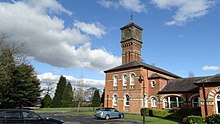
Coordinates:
<point>17,50</point>
<point>79,92</point>
<point>191,74</point>
<point>48,88</point>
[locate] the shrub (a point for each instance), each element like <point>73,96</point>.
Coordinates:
<point>155,112</point>
<point>195,120</point>
<point>213,119</point>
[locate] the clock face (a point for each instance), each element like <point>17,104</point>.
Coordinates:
<point>137,34</point>
<point>127,34</point>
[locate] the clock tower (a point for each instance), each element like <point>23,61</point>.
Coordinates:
<point>131,43</point>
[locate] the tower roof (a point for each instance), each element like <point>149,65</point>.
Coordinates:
<point>131,24</point>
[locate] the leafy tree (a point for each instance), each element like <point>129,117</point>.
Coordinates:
<point>7,65</point>
<point>96,99</point>
<point>59,92</point>
<point>67,99</point>
<point>18,82</point>
<point>26,86</point>
<point>46,102</point>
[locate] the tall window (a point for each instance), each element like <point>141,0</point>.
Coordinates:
<point>195,102</point>
<point>172,101</point>
<point>115,100</point>
<point>126,100</point>
<point>153,83</point>
<point>153,102</point>
<point>217,102</point>
<point>145,101</point>
<point>115,81</point>
<point>125,80</point>
<point>132,78</point>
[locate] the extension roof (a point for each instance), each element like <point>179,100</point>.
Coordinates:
<point>135,64</point>
<point>181,85</point>
<point>211,79</point>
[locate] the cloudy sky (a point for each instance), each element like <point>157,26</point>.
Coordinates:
<point>81,38</point>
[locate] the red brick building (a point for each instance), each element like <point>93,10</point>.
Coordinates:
<point>135,84</point>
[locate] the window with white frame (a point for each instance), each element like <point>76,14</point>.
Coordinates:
<point>153,102</point>
<point>115,81</point>
<point>217,103</point>
<point>172,101</point>
<point>145,101</point>
<point>195,102</point>
<point>115,100</point>
<point>125,80</point>
<point>126,100</point>
<point>132,78</point>
<point>153,83</point>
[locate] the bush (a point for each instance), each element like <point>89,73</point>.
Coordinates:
<point>178,113</point>
<point>175,113</point>
<point>195,120</point>
<point>213,119</point>
<point>155,112</point>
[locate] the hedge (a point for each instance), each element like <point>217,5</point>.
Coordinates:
<point>175,113</point>
<point>195,120</point>
<point>213,119</point>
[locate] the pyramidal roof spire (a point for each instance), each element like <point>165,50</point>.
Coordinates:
<point>131,17</point>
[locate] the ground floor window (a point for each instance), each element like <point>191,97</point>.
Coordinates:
<point>126,100</point>
<point>145,102</point>
<point>115,100</point>
<point>217,102</point>
<point>153,102</point>
<point>195,102</point>
<point>172,102</point>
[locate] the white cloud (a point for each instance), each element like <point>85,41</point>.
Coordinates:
<point>210,68</point>
<point>186,10</point>
<point>47,38</point>
<point>95,29</point>
<point>132,5</point>
<point>50,78</point>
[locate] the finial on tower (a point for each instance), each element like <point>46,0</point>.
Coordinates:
<point>131,17</point>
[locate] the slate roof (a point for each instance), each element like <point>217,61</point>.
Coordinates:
<point>210,79</point>
<point>135,64</point>
<point>182,85</point>
<point>155,75</point>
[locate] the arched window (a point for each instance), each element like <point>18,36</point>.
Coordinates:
<point>172,101</point>
<point>195,102</point>
<point>115,81</point>
<point>126,100</point>
<point>132,78</point>
<point>217,103</point>
<point>153,83</point>
<point>115,100</point>
<point>153,102</point>
<point>145,101</point>
<point>125,80</point>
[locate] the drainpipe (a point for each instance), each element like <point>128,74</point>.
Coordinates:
<point>204,95</point>
<point>107,100</point>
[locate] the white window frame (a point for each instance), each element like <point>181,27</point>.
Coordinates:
<point>115,81</point>
<point>125,80</point>
<point>216,103</point>
<point>153,83</point>
<point>132,79</point>
<point>194,102</point>
<point>153,102</point>
<point>168,100</point>
<point>126,100</point>
<point>145,101</point>
<point>114,100</point>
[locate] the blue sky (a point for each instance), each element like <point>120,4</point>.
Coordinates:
<point>81,38</point>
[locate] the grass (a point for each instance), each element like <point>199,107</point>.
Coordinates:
<point>89,111</point>
<point>66,109</point>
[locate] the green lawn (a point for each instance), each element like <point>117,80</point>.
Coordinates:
<point>149,120</point>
